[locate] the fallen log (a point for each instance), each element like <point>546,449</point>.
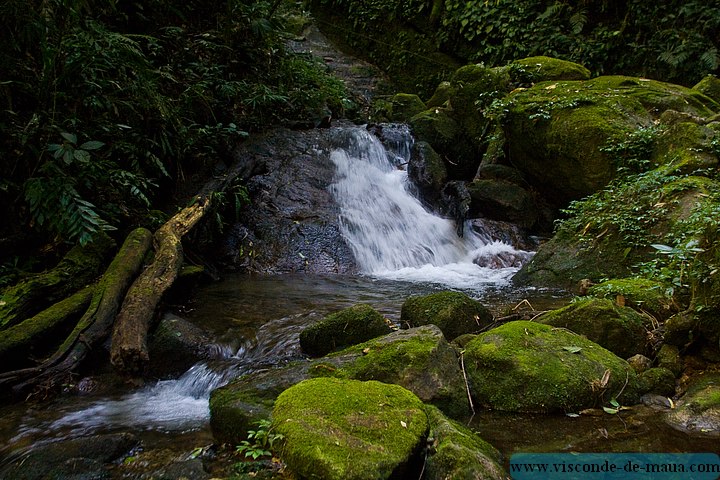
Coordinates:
<point>129,349</point>
<point>79,267</point>
<point>96,323</point>
<point>38,334</point>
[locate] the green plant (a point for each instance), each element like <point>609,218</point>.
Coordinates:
<point>260,442</point>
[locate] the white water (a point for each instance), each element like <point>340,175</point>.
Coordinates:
<point>390,231</point>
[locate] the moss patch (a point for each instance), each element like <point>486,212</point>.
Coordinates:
<point>547,68</point>
<point>527,366</point>
<point>639,293</point>
<point>347,429</point>
<point>453,312</point>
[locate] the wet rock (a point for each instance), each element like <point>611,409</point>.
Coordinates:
<point>698,411</point>
<point>438,127</point>
<point>681,329</point>
<point>503,200</point>
<point>347,429</point>
<point>660,381</point>
<point>427,172</point>
<point>177,345</point>
<point>342,329</point>
<point>619,329</point>
<point>529,367</point>
<point>77,459</point>
<point>502,259</point>
<point>640,363</point>
<point>504,232</point>
<point>457,452</point>
<point>453,312</point>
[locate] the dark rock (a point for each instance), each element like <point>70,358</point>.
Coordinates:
<point>698,411</point>
<point>502,200</point>
<point>660,381</point>
<point>176,345</point>
<point>640,363</point>
<point>669,357</point>
<point>453,312</point>
<point>427,172</point>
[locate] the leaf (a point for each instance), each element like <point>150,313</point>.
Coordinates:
<point>611,411</point>
<point>92,145</point>
<point>82,156</point>
<point>662,248</point>
<point>572,349</point>
<point>69,137</point>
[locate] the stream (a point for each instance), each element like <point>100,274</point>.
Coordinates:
<point>402,250</point>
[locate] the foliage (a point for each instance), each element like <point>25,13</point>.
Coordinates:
<point>260,442</point>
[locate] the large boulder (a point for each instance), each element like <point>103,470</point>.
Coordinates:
<point>349,430</point>
<point>453,312</point>
<point>543,68</point>
<point>698,411</point>
<point>525,366</point>
<point>619,329</point>
<point>710,86</point>
<point>342,329</point>
<point>458,453</point>
<point>427,171</point>
<point>503,200</point>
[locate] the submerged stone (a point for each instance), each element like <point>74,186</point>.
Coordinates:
<point>529,367</point>
<point>453,312</point>
<point>348,429</point>
<point>341,329</point>
<point>619,329</point>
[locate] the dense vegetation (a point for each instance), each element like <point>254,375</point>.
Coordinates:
<point>675,41</point>
<point>108,106</point>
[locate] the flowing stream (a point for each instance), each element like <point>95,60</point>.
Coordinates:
<point>402,249</point>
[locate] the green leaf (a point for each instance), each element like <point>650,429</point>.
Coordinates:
<point>82,156</point>
<point>92,145</point>
<point>572,349</point>
<point>611,411</point>
<point>69,137</point>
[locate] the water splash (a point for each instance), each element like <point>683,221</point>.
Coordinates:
<point>389,230</point>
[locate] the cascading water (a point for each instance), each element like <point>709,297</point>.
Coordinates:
<point>390,231</point>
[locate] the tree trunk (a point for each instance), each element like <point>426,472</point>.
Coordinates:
<point>129,350</point>
<point>76,270</point>
<point>95,325</point>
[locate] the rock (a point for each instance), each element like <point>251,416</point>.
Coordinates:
<point>503,232</point>
<point>176,345</point>
<point>503,200</point>
<point>438,127</point>
<point>669,357</point>
<point>660,381</point>
<point>458,453</point>
<point>453,312</point>
<point>427,172</point>
<point>525,366</point>
<point>685,146</point>
<point>347,429</point>
<point>639,293</point>
<point>710,86</point>
<point>640,363</point>
<point>77,458</point>
<point>418,359</point>
<point>698,411</point>
<point>619,329</point>
<point>342,329</point>
<point>404,106</point>
<point>681,329</point>
<point>546,68</point>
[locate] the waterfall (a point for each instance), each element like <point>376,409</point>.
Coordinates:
<point>389,230</point>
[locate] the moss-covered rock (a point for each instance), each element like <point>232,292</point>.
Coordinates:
<point>177,344</point>
<point>347,429</point>
<point>710,86</point>
<point>619,329</point>
<point>639,293</point>
<point>427,171</point>
<point>685,146</point>
<point>341,329</point>
<point>529,367</point>
<point>681,329</point>
<point>698,411</point>
<point>453,312</point>
<point>503,200</point>
<point>543,68</point>
<point>404,106</point>
<point>441,130</point>
<point>418,359</point>
<point>660,381</point>
<point>458,453</point>
<point>669,357</point>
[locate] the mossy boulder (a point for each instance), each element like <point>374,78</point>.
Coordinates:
<point>681,329</point>
<point>698,411</point>
<point>404,106</point>
<point>503,200</point>
<point>619,329</point>
<point>341,329</point>
<point>176,345</point>
<point>348,429</point>
<point>458,453</point>
<point>439,127</point>
<point>542,68</point>
<point>555,129</point>
<point>660,381</point>
<point>526,366</point>
<point>639,293</point>
<point>453,312</point>
<point>669,357</point>
<point>710,86</point>
<point>685,146</point>
<point>418,359</point>
<point>427,171</point>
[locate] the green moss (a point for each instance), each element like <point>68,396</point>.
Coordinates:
<point>547,68</point>
<point>639,293</point>
<point>347,429</point>
<point>503,200</point>
<point>404,106</point>
<point>660,381</point>
<point>341,329</point>
<point>453,312</point>
<point>458,453</point>
<point>527,366</point>
<point>710,86</point>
